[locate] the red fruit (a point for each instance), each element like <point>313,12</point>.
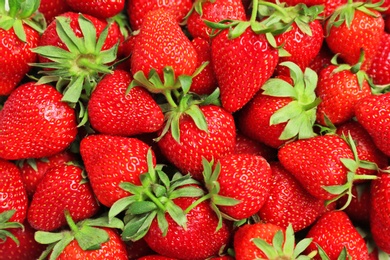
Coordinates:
<point>52,8</point>
<point>28,248</point>
<point>372,113</point>
<point>288,202</point>
<point>156,257</point>
<point>213,11</point>
<point>379,211</point>
<point>138,249</point>
<point>160,43</point>
<point>62,188</point>
<point>199,240</point>
<point>12,192</point>
<point>246,145</point>
<point>111,160</point>
<point>32,176</point>
<point>137,9</point>
<point>101,9</point>
<point>35,123</point>
<point>114,248</point>
<point>334,231</point>
<point>322,60</point>
<point>205,82</point>
<point>380,67</point>
<point>112,111</point>
<point>339,92</point>
<point>242,65</point>
<point>360,30</point>
<point>195,144</point>
<point>315,163</point>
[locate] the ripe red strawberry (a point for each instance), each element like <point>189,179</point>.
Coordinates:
<point>288,202</point>
<point>52,8</point>
<point>35,123</point>
<point>205,82</point>
<point>329,5</point>
<point>379,69</point>
<point>25,248</point>
<point>138,249</point>
<point>12,191</point>
<point>155,257</point>
<point>340,87</point>
<point>246,145</point>
<point>18,35</point>
<point>372,113</point>
<point>379,211</point>
<point>187,151</point>
<point>283,111</point>
<point>322,60</point>
<point>213,11</point>
<point>32,171</point>
<point>98,8</point>
<point>334,231</point>
<point>112,111</point>
<point>352,27</point>
<point>137,9</point>
<point>239,178</point>
<point>231,57</point>
<point>199,240</point>
<point>316,163</point>
<point>111,160</point>
<point>62,188</point>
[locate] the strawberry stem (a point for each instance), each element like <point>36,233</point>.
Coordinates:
<point>255,5</point>
<point>197,202</point>
<point>70,221</point>
<point>155,200</point>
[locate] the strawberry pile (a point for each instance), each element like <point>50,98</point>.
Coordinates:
<point>194,129</point>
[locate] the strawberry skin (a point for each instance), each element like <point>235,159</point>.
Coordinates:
<point>16,56</point>
<point>35,123</point>
<point>379,70</point>
<point>315,162</point>
<point>195,143</point>
<point>101,9</point>
<point>333,231</point>
<point>112,111</point>
<point>110,160</point>
<point>241,65</point>
<point>372,113</point>
<point>160,43</point>
<point>52,8</point>
<point>199,241</point>
<point>12,191</point>
<point>62,188</point>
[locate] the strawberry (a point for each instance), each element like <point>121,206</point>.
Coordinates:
<point>282,111</point>
<point>322,60</point>
<point>18,35</point>
<point>35,123</point>
<point>379,69</point>
<point>137,249</point>
<point>340,87</point>
<point>241,178</point>
<point>257,60</point>
<point>22,246</point>
<point>288,202</point>
<point>160,43</point>
<point>61,188</point>
<point>112,111</point>
<point>52,8</point>
<point>88,239</point>
<point>205,82</point>
<point>97,8</point>
<point>33,170</point>
<point>155,257</point>
<point>213,11</point>
<point>333,232</point>
<point>137,9</point>
<point>186,148</point>
<point>110,160</point>
<point>199,240</point>
<point>246,145</point>
<point>372,113</point>
<point>352,27</point>
<point>379,217</point>
<point>267,241</point>
<point>13,194</point>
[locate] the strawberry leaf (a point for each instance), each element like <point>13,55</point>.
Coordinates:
<point>141,207</point>
<point>90,238</point>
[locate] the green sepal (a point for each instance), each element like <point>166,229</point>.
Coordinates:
<point>137,226</point>
<point>90,238</point>
<point>5,224</point>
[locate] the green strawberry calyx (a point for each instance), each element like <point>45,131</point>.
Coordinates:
<point>5,224</point>
<point>342,256</point>
<point>283,246</point>
<point>300,113</point>
<point>77,70</point>
<point>345,13</point>
<point>88,233</point>
<point>153,199</point>
<point>15,13</point>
